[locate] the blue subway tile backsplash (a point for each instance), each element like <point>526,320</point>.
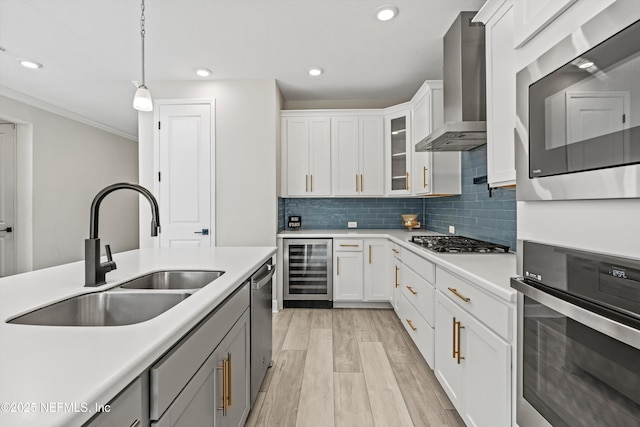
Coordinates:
<point>473,213</point>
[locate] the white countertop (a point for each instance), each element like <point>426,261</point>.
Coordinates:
<point>74,365</point>
<point>490,271</point>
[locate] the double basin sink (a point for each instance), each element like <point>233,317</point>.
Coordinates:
<point>135,301</point>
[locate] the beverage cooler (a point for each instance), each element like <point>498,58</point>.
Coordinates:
<point>308,272</point>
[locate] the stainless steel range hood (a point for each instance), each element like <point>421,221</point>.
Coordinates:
<point>464,74</point>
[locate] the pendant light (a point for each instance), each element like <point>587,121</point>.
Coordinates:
<point>142,100</point>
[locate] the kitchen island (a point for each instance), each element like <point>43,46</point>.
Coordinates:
<point>59,376</point>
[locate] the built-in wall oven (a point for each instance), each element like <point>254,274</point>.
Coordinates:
<point>578,338</point>
<point>308,273</point>
<point>578,112</point>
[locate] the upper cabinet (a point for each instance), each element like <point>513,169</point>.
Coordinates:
<point>397,138</point>
<point>306,151</point>
<point>531,17</point>
<point>498,17</point>
<point>357,155</point>
<point>434,173</point>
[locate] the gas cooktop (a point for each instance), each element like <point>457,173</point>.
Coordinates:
<point>458,244</point>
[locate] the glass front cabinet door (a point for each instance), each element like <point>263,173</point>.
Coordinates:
<point>398,146</point>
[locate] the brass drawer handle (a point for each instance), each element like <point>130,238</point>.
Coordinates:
<point>411,290</point>
<point>311,179</point>
<point>395,250</point>
<point>397,269</point>
<point>349,245</point>
<point>458,352</point>
<point>357,189</point>
<point>411,324</point>
<point>424,176</point>
<point>459,295</point>
<point>306,183</point>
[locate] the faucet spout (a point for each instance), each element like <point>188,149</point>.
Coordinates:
<point>95,271</point>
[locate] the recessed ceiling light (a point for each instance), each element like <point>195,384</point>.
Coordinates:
<point>315,71</point>
<point>29,64</point>
<point>386,13</point>
<point>203,72</point>
<point>585,65</point>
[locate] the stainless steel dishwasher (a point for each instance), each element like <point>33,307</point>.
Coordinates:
<point>261,330</point>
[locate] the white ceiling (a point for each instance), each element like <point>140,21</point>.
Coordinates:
<point>90,49</point>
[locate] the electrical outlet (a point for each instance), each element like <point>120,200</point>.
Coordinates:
<point>352,224</point>
<point>452,229</point>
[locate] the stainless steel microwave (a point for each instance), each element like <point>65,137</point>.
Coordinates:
<point>578,112</point>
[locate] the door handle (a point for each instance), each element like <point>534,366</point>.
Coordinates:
<point>8,229</point>
<point>204,232</point>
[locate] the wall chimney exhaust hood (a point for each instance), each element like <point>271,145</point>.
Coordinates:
<point>464,87</point>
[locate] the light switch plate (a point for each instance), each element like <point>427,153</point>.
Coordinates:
<point>352,224</point>
<point>452,229</point>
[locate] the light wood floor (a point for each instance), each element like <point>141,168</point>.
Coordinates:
<point>348,367</point>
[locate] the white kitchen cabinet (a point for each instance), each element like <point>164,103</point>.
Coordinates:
<point>357,164</point>
<point>361,270</point>
<point>473,365</point>
<point>531,17</point>
<point>416,306</point>
<point>498,17</point>
<point>396,271</point>
<point>434,174</point>
<point>348,277</point>
<point>306,150</point>
<point>398,153</point>
<point>376,270</point>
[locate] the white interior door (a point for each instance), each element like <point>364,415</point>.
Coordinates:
<point>7,198</point>
<point>185,174</point>
<point>592,115</point>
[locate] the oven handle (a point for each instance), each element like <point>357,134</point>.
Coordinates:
<point>619,331</point>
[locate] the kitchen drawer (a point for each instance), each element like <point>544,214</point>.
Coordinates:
<point>419,293</point>
<point>493,313</point>
<point>396,249</point>
<point>174,370</point>
<point>425,269</point>
<point>347,245</point>
<point>418,328</point>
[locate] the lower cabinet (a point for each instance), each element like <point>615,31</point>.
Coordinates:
<point>124,410</point>
<point>204,379</point>
<point>361,270</point>
<point>218,394</point>
<point>473,365</point>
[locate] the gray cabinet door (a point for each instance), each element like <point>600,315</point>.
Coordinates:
<point>233,355</point>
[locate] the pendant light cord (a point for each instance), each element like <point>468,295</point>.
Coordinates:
<point>142,31</point>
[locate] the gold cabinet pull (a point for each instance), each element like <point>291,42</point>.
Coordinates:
<point>411,324</point>
<point>357,188</point>
<point>311,179</point>
<point>453,339</point>
<point>225,379</point>
<point>397,269</point>
<point>411,290</point>
<point>458,351</point>
<point>459,295</point>
<point>306,183</point>
<point>348,245</point>
<point>229,382</point>
<point>424,176</point>
<point>369,254</point>
<point>361,182</point>
<point>395,250</point>
<point>406,181</point>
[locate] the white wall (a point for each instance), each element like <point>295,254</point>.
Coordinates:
<point>70,163</point>
<point>247,116</point>
<point>609,225</point>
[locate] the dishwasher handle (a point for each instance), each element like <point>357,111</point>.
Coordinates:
<point>263,276</point>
